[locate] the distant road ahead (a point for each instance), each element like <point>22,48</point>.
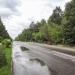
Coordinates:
<point>57,62</point>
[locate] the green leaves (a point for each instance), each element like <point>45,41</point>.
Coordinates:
<point>3,32</point>
<point>57,15</point>
<point>69,26</point>
<point>55,33</point>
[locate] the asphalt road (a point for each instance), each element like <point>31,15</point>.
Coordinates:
<point>55,63</point>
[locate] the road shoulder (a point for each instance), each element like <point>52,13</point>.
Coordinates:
<point>67,50</point>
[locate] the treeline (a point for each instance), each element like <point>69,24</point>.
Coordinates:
<point>58,29</point>
<point>3,32</point>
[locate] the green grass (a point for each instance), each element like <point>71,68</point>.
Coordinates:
<point>6,70</point>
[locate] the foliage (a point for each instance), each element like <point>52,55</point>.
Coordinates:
<point>6,43</point>
<point>44,31</point>
<point>69,26</point>
<point>3,32</point>
<point>38,37</point>
<point>55,33</point>
<point>57,15</point>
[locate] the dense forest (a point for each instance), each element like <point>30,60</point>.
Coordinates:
<point>58,29</point>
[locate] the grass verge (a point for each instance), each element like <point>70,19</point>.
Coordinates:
<point>6,70</point>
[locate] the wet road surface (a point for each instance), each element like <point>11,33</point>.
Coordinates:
<point>30,59</point>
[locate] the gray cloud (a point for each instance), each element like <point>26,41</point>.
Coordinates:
<point>9,4</point>
<point>8,7</point>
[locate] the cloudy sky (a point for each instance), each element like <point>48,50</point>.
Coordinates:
<point>18,14</point>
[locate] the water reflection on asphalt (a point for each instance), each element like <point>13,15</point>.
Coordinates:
<point>30,65</point>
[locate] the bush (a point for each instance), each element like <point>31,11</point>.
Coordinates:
<point>6,43</point>
<point>2,57</point>
<point>38,37</point>
<point>55,33</point>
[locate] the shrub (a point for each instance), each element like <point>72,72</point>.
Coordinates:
<point>6,43</point>
<point>55,33</point>
<point>38,37</point>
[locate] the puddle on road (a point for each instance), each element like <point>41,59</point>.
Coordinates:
<point>33,66</point>
<point>38,61</point>
<point>37,67</point>
<point>24,49</point>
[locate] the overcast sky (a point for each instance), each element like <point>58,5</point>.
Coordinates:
<point>18,14</point>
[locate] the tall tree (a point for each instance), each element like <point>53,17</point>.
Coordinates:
<point>3,32</point>
<point>69,26</point>
<point>56,17</point>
